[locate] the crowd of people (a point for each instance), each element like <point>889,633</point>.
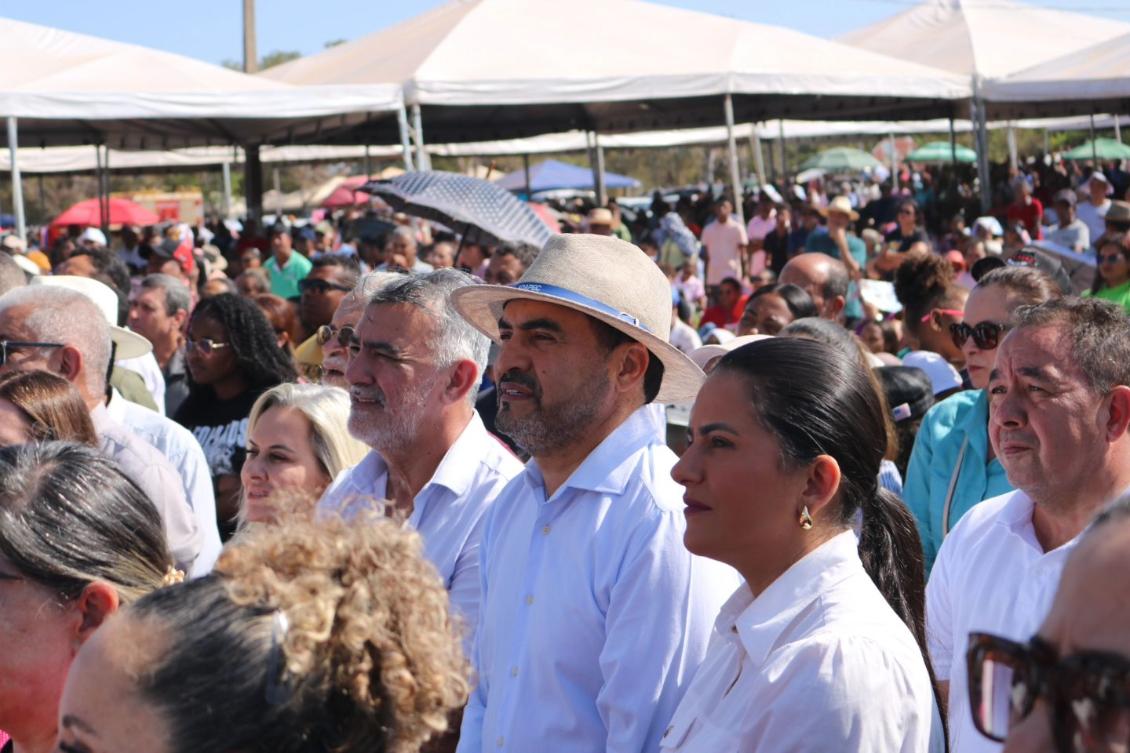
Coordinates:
<point>655,486</point>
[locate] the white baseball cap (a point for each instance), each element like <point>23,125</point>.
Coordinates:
<point>93,235</point>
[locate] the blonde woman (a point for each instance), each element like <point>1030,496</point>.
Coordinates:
<point>308,636</point>
<point>297,443</point>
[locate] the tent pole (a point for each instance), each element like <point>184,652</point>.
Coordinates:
<point>368,164</point>
<point>980,123</point>
<point>422,160</point>
<point>405,146</point>
<point>253,181</point>
<point>1013,158</point>
<point>894,162</point>
<point>106,189</point>
<point>1117,129</point>
<point>1094,147</point>
<point>526,169</point>
<point>953,144</point>
<point>732,153</point>
<point>98,182</point>
<point>781,143</point>
<point>758,157</point>
<point>17,183</point>
<point>601,193</point>
<point>225,166</point>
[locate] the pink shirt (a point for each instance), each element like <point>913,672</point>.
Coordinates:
<point>723,242</point>
<point>758,228</point>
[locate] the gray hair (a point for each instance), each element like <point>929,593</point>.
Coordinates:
<point>367,286</point>
<point>68,317</point>
<point>177,295</point>
<point>456,340</point>
<point>1099,333</point>
<point>11,275</point>
<point>403,232</point>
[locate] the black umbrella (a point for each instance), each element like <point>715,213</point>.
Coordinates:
<point>460,201</point>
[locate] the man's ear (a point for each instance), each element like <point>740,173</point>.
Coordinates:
<point>95,604</point>
<point>836,305</point>
<point>631,366</point>
<point>464,378</point>
<point>1118,415</point>
<point>70,363</point>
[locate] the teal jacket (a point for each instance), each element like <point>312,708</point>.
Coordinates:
<point>944,428</point>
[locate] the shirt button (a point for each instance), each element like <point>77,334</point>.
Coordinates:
<point>501,741</point>
<point>529,599</point>
<point>545,531</point>
<point>513,671</point>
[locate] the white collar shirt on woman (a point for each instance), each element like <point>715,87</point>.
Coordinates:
<point>594,615</point>
<point>817,662</point>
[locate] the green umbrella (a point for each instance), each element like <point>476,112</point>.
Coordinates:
<point>942,151</point>
<point>842,159</point>
<point>1100,149</point>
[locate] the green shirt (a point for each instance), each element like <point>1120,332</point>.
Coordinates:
<point>1119,295</point>
<point>285,279</point>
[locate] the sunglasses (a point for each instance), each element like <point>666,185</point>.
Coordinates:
<point>206,345</point>
<point>327,332</point>
<point>321,287</point>
<point>1088,692</point>
<point>986,335</point>
<point>9,345</point>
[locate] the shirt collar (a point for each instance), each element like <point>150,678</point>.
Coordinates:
<point>456,472</point>
<point>606,469</point>
<point>764,618</point>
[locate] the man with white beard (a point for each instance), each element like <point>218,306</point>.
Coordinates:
<point>414,374</point>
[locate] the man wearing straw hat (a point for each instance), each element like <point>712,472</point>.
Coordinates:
<point>840,243</point>
<point>593,615</point>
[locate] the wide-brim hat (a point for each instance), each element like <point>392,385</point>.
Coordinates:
<point>841,204</point>
<point>129,344</point>
<point>1119,211</point>
<point>603,277</point>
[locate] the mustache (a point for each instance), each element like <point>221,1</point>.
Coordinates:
<point>522,379</point>
<point>368,394</point>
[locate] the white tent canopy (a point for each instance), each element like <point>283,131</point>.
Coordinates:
<point>506,68</point>
<point>68,88</point>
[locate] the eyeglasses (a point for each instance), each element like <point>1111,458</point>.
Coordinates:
<point>986,335</point>
<point>327,332</point>
<point>205,344</point>
<point>7,345</point>
<point>321,287</point>
<point>1110,259</point>
<point>944,312</point>
<point>1088,692</point>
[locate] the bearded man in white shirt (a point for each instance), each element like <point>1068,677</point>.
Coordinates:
<point>413,375</point>
<point>1059,408</point>
<point>594,615</point>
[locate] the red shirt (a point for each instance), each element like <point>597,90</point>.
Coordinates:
<point>1030,215</point>
<point>721,316</point>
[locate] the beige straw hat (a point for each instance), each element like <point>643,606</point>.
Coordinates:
<point>842,205</point>
<point>606,278</point>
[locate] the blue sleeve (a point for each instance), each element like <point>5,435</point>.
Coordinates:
<point>916,486</point>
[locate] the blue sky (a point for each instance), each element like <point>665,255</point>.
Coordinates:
<point>211,29</point>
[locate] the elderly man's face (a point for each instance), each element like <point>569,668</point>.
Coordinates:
<point>13,328</point>
<point>394,384</point>
<point>1047,426</point>
<point>504,269</point>
<point>149,318</point>
<point>1086,621</point>
<point>401,245</point>
<point>554,379</point>
<point>809,278</point>
<point>335,353</point>
<point>442,256</point>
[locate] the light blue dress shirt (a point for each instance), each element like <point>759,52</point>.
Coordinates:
<point>594,615</point>
<point>448,512</point>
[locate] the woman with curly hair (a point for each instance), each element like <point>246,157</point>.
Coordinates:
<point>342,638</point>
<point>77,540</point>
<point>233,357</point>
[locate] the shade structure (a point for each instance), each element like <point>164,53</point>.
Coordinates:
<point>471,206</point>
<point>552,175</point>
<point>540,75</point>
<point>942,152</point>
<point>1103,149</point>
<point>841,159</point>
<point>1083,80</point>
<point>68,88</point>
<point>122,212</point>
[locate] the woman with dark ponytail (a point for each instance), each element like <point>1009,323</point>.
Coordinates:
<point>822,647</point>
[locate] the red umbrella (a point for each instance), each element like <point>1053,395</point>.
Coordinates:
<point>122,212</point>
<point>347,195</point>
<point>547,215</point>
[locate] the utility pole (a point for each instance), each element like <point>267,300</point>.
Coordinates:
<point>252,168</point>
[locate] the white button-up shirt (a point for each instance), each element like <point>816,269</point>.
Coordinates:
<point>181,449</point>
<point>594,615</point>
<point>448,512</point>
<point>991,575</point>
<point>817,662</point>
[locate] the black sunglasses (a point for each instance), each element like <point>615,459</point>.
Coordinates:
<point>986,335</point>
<point>327,332</point>
<point>1088,692</point>
<point>7,345</point>
<point>321,287</point>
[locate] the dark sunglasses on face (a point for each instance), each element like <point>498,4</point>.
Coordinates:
<point>205,344</point>
<point>986,335</point>
<point>1088,692</point>
<point>8,345</point>
<point>327,332</point>
<point>321,287</point>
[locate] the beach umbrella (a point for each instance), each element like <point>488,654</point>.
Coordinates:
<point>1099,149</point>
<point>461,203</point>
<point>552,175</point>
<point>942,151</point>
<point>122,212</point>
<point>841,159</point>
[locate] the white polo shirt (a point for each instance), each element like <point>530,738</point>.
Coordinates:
<point>993,576</point>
